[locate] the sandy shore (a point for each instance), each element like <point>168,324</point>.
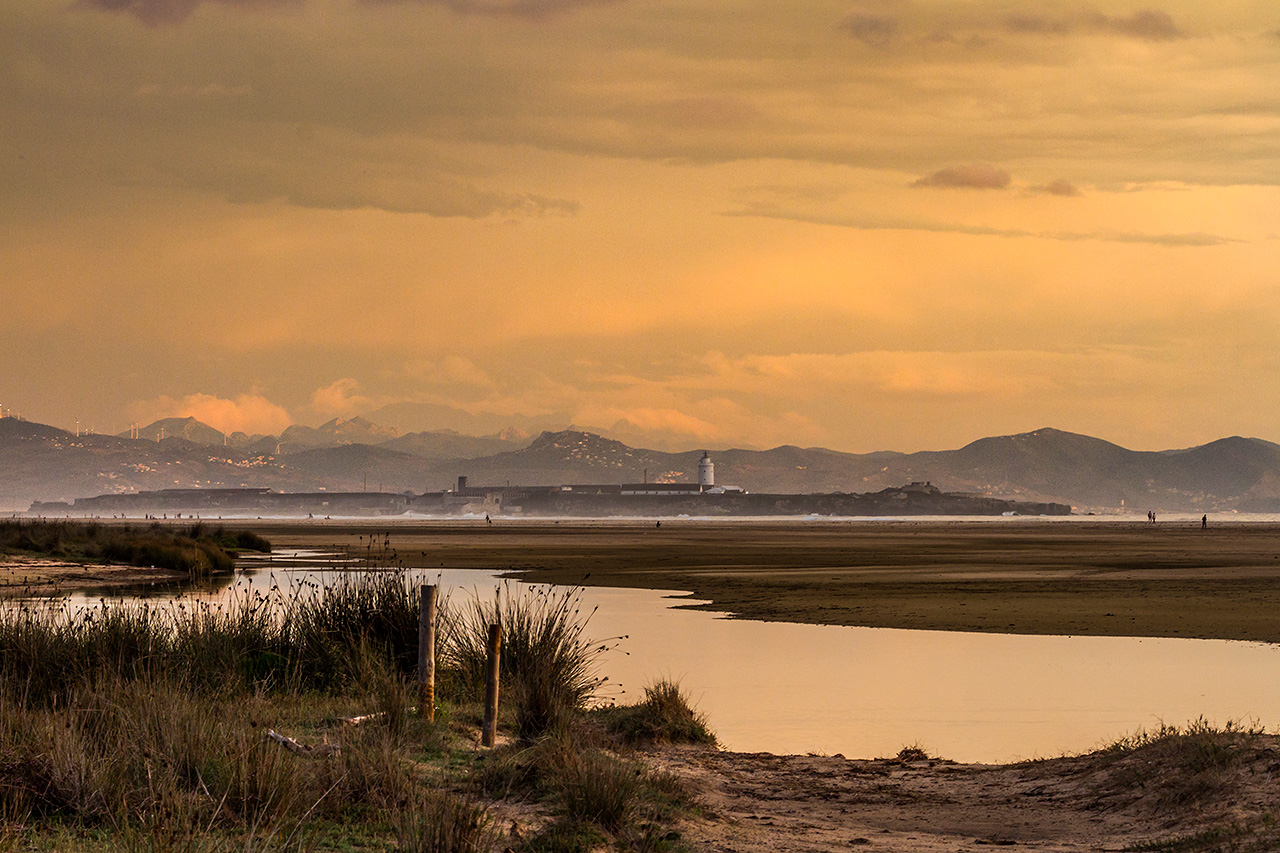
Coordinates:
<point>761,803</point>
<point>1020,576</point>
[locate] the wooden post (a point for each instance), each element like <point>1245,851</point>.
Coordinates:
<point>427,653</point>
<point>489,733</point>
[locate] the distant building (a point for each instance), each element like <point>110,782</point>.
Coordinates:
<point>706,471</point>
<point>661,489</point>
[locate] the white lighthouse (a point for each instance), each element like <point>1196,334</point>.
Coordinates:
<point>706,471</point>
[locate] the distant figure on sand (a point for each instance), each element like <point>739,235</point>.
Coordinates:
<point>1204,522</point>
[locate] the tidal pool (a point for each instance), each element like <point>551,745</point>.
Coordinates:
<point>867,692</point>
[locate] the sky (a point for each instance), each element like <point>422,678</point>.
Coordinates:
<point>858,224</point>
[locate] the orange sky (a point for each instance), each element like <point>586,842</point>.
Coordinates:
<point>894,224</point>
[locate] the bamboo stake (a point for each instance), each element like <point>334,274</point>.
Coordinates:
<point>489,733</point>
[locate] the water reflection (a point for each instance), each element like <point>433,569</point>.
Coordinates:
<point>869,691</point>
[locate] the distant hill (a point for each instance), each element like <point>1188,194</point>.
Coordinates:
<point>189,428</point>
<point>451,445</point>
<point>1043,465</point>
<point>335,433</point>
<point>39,462</point>
<point>361,467</point>
<point>46,463</point>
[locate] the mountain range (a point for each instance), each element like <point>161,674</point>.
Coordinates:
<point>39,462</point>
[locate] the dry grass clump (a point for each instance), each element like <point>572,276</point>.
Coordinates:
<point>443,823</point>
<point>1175,767</point>
<point>601,789</point>
<point>548,664</point>
<point>913,752</point>
<point>598,797</point>
<point>665,715</point>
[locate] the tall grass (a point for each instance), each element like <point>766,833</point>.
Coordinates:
<point>198,550</point>
<point>548,663</point>
<point>149,721</point>
<point>665,715</point>
<point>440,823</point>
<point>303,636</point>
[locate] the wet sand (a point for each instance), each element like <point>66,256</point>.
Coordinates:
<point>1016,576</point>
<point>22,577</point>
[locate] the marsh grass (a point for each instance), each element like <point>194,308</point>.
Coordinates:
<point>665,715</point>
<point>438,822</point>
<point>601,789</point>
<point>145,725</point>
<point>198,550</point>
<point>548,663</point>
<point>597,793</point>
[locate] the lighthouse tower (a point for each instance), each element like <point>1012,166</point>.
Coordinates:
<point>706,471</point>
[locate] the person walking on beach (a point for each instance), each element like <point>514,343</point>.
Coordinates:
<point>1204,522</point>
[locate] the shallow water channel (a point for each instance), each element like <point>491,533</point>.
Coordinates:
<point>867,692</point>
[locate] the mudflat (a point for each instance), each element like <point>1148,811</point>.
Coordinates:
<point>30,576</point>
<point>1107,578</point>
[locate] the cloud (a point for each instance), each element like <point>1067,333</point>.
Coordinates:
<point>872,223</point>
<point>531,9</point>
<point>1145,24</point>
<point>452,370</point>
<point>995,373</point>
<point>341,398</point>
<point>648,421</point>
<point>980,176</point>
<point>874,30</point>
<point>913,373</point>
<point>338,172</point>
<point>1061,187</point>
<point>433,195</point>
<point>156,12</point>
<point>250,413</point>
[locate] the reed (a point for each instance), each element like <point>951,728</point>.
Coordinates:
<point>190,688</point>
<point>197,550</point>
<point>665,715</point>
<point>548,665</point>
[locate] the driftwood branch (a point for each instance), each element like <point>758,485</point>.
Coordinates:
<point>323,750</point>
